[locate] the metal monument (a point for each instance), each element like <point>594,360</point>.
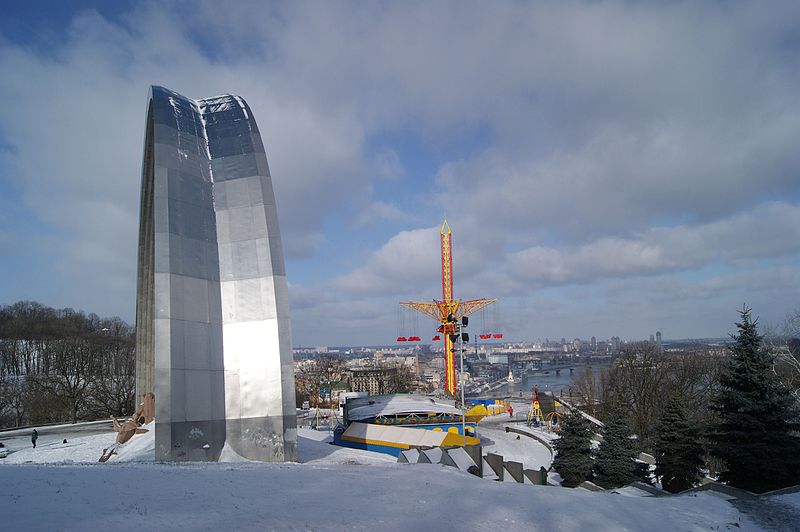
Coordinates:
<point>213,338</point>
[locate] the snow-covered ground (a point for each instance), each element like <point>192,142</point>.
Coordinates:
<point>313,446</point>
<point>332,488</point>
<point>326,497</point>
<point>79,449</point>
<point>528,451</point>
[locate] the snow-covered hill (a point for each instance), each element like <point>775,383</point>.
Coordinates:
<point>326,497</point>
<point>332,489</point>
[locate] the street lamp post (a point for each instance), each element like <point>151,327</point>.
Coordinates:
<point>463,403</point>
<point>457,334</point>
<point>461,338</point>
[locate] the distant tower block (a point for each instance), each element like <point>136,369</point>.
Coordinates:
<point>213,339</point>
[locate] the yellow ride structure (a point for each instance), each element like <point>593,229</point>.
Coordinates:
<point>448,311</point>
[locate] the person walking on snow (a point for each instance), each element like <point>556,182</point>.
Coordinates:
<point>34,437</point>
<point>510,411</point>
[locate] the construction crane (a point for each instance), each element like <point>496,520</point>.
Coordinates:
<point>448,311</point>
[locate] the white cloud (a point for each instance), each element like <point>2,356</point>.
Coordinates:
<point>381,211</point>
<point>75,119</point>
<point>407,263</point>
<point>578,142</point>
<point>771,230</point>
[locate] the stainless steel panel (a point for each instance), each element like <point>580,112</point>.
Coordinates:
<point>248,300</point>
<point>198,395</point>
<point>163,296</point>
<point>244,259</point>
<point>162,246</point>
<point>223,227</point>
<point>240,224</point>
<point>178,397</point>
<point>169,341</point>
<point>175,293</point>
<point>233,393</point>
<point>228,297</point>
<point>214,304</point>
<point>218,394</point>
<point>194,257</point>
<point>262,165</point>
<point>276,256</point>
<point>195,299</point>
<point>161,182</point>
<point>218,332</point>
<point>163,392</point>
<point>264,258</point>
<point>236,192</point>
<point>268,298</point>
<point>212,261</point>
<point>267,193</point>
<point>234,167</point>
<point>226,271</point>
<point>196,345</point>
<point>254,190</point>
<point>161,214</point>
<point>273,229</point>
<point>259,222</point>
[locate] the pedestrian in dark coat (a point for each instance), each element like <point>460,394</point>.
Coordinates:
<point>34,437</point>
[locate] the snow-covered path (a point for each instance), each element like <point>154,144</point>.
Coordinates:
<point>528,451</point>
<point>494,439</point>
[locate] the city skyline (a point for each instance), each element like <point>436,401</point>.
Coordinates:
<point>607,168</point>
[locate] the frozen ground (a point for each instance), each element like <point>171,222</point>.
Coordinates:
<point>331,489</point>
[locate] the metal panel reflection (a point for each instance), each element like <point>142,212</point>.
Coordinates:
<point>213,334</point>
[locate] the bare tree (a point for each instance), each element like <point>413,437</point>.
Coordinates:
<point>320,373</point>
<point>72,376</point>
<point>68,364</point>
<point>14,400</point>
<point>638,381</point>
<point>589,389</point>
<point>784,342</point>
<point>113,391</point>
<point>400,381</point>
<point>643,380</point>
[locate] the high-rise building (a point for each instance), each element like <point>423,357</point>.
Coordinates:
<point>658,341</point>
<point>213,336</point>
<point>615,344</point>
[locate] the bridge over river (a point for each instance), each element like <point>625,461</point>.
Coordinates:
<point>556,379</point>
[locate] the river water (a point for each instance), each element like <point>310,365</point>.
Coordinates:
<point>550,382</point>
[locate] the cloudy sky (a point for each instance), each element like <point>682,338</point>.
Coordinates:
<point>608,168</point>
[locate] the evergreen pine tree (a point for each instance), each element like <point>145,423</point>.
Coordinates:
<point>757,415</point>
<point>677,447</point>
<point>615,462</point>
<point>573,448</point>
